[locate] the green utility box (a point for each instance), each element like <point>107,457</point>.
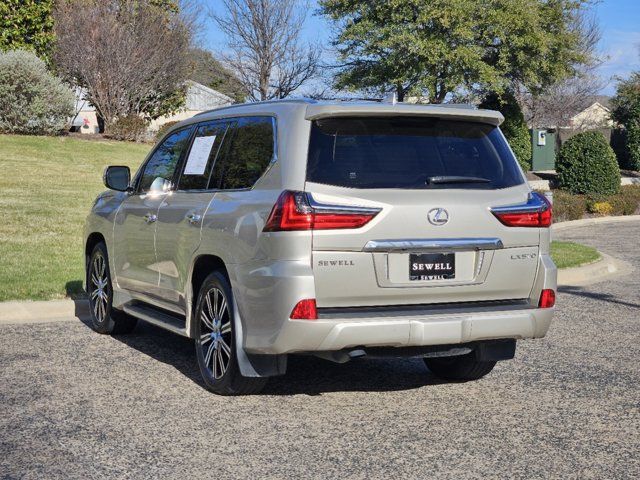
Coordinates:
<point>543,143</point>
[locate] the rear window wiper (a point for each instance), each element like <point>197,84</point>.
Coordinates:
<point>444,179</point>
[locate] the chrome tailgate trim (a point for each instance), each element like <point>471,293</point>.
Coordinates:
<point>436,244</point>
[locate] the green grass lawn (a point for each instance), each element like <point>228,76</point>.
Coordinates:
<point>47,185</point>
<point>569,254</point>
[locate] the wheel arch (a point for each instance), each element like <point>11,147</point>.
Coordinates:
<point>202,266</point>
<point>251,365</point>
<point>92,240</point>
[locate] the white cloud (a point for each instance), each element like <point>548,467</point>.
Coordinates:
<point>622,49</point>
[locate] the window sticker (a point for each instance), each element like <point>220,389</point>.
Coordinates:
<point>199,155</point>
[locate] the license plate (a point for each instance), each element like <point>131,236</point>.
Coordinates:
<point>432,266</point>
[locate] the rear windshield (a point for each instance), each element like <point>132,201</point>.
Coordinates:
<point>409,153</point>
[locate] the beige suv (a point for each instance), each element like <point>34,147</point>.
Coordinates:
<point>338,229</point>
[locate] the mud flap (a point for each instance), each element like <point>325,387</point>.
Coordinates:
<point>255,365</point>
<point>492,351</point>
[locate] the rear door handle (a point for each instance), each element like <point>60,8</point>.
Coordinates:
<point>150,218</point>
<point>194,218</point>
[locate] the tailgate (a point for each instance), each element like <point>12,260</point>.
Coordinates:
<point>401,257</point>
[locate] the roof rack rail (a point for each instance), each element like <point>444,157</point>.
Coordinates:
<point>263,102</point>
<point>467,106</point>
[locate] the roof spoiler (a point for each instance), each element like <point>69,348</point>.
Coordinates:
<point>450,111</point>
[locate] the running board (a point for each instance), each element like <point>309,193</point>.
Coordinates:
<point>160,319</point>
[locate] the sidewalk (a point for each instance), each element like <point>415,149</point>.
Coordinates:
<point>25,312</point>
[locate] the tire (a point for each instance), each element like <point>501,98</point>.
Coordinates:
<point>104,318</point>
<point>215,340</point>
<point>461,368</point>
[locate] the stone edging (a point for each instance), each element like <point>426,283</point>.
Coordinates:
<point>603,269</point>
<point>594,221</point>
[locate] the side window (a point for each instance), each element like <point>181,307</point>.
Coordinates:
<point>247,154</point>
<point>162,165</point>
<point>202,155</point>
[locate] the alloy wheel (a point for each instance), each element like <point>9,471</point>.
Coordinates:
<point>215,329</point>
<point>99,287</point>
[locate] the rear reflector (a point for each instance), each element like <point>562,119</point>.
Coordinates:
<point>536,212</point>
<point>305,310</point>
<point>547,298</point>
<point>293,212</point>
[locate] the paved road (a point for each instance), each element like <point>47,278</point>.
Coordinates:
<point>74,404</point>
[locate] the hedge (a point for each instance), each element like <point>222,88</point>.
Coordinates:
<point>587,164</point>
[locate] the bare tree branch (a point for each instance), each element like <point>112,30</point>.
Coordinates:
<point>129,55</point>
<point>265,50</point>
<point>560,102</point>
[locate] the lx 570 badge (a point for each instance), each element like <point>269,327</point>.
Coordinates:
<point>524,256</point>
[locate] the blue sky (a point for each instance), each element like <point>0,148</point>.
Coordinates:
<point>619,20</point>
<point>620,23</point>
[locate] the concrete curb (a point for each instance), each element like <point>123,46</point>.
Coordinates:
<point>545,185</point>
<point>594,221</point>
<point>25,312</point>
<point>604,269</point>
<point>539,185</point>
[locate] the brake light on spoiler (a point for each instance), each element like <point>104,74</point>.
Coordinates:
<point>536,212</point>
<point>295,211</point>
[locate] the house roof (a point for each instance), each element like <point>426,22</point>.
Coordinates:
<point>603,100</point>
<point>201,97</point>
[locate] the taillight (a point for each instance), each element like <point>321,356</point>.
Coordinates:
<point>293,211</point>
<point>305,310</point>
<point>547,298</point>
<point>536,212</point>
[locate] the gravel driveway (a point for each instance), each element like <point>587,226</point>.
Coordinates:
<point>75,404</point>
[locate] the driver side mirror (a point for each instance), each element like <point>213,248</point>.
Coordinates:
<point>117,177</point>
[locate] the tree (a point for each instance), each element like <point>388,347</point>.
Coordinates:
<point>266,52</point>
<point>129,55</point>
<point>514,127</point>
<point>626,112</point>
<point>171,6</point>
<point>435,47</point>
<point>205,69</point>
<point>27,25</point>
<point>559,102</point>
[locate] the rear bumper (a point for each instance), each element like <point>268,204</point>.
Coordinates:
<point>268,330</point>
<point>410,330</point>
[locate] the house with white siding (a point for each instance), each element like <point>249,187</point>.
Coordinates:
<point>595,114</point>
<point>199,98</point>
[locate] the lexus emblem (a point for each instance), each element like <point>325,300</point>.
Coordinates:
<point>438,216</point>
